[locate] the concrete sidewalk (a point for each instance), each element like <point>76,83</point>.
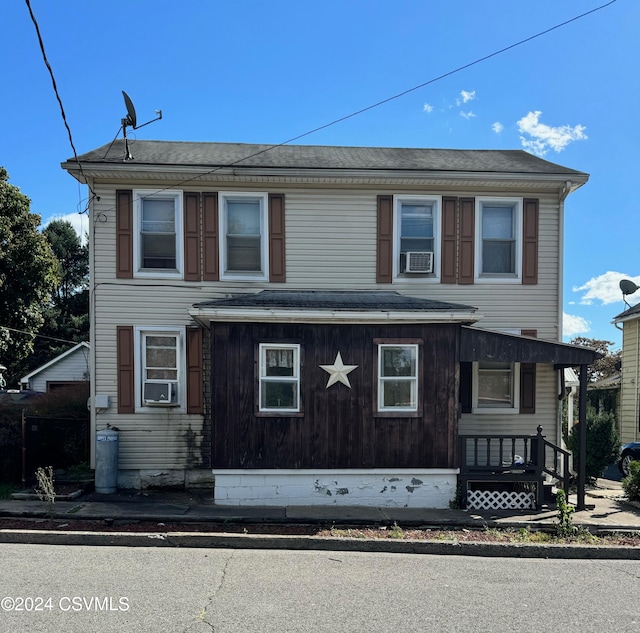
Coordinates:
<point>606,512</point>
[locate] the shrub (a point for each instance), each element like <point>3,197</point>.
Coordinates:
<point>631,483</point>
<point>603,443</point>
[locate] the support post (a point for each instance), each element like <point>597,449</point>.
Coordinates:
<point>582,452</point>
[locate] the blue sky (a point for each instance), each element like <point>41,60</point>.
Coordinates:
<point>264,72</point>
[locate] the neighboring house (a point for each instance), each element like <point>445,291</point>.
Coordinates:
<point>65,370</point>
<point>306,324</point>
<point>629,408</point>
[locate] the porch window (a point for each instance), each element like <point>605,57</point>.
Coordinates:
<point>397,378</point>
<point>279,388</point>
<point>496,387</point>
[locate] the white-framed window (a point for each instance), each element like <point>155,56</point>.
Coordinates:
<point>496,387</point>
<point>160,367</point>
<point>244,236</point>
<point>157,248</point>
<point>397,377</point>
<point>279,379</point>
<point>498,239</point>
<point>417,237</point>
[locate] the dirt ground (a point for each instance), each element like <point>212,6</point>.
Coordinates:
<point>353,532</point>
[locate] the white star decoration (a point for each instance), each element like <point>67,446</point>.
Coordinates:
<point>338,372</point>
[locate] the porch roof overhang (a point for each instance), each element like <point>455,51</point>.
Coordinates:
<point>487,345</point>
<point>331,307</point>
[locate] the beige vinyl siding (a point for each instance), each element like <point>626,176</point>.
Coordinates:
<point>630,396</point>
<point>330,244</point>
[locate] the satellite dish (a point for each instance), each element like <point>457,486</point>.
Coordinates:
<point>628,287</point>
<point>131,120</point>
<point>131,111</point>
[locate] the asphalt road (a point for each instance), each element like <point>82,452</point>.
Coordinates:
<point>84,590</point>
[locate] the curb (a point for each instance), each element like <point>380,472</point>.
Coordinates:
<point>249,542</point>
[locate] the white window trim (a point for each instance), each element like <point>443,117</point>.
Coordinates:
<point>139,334</point>
<point>264,235</point>
<point>158,273</point>
<point>296,376</point>
<point>398,275</point>
<point>381,408</point>
<point>515,409</point>
<point>497,278</point>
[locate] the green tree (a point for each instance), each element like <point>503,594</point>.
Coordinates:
<point>27,276</point>
<point>603,443</point>
<point>602,367</point>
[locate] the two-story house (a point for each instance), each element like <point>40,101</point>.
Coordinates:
<point>307,324</point>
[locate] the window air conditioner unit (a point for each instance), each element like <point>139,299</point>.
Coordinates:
<point>418,262</point>
<point>159,394</point>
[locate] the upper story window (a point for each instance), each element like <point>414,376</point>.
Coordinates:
<point>498,236</point>
<point>158,246</point>
<point>244,231</point>
<point>160,367</point>
<point>497,387</point>
<point>417,229</point>
<point>279,380</point>
<point>397,377</point>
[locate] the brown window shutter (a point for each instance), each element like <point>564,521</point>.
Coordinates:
<point>465,387</point>
<point>384,255</point>
<point>448,274</point>
<point>466,236</point>
<point>527,388</point>
<point>530,218</point>
<point>191,236</point>
<point>277,252</point>
<point>124,234</point>
<point>126,369</point>
<point>194,371</point>
<point>210,233</point>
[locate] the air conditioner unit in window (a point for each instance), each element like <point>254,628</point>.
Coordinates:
<point>418,262</point>
<point>159,394</point>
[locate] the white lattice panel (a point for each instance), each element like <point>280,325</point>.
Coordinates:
<point>500,500</point>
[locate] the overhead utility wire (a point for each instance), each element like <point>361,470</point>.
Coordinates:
<point>34,335</point>
<point>388,99</point>
<point>55,90</point>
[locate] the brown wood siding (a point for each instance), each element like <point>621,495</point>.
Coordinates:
<point>466,236</point>
<point>124,234</point>
<point>211,258</point>
<point>530,222</point>
<point>339,427</point>
<point>277,250</point>
<point>448,274</point>
<point>384,256</point>
<point>192,237</point>
<point>527,388</point>
<point>195,401</point>
<point>126,370</point>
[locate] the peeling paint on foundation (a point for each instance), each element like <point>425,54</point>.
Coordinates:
<point>410,488</point>
<point>342,491</point>
<point>383,490</point>
<point>395,479</point>
<point>416,482</point>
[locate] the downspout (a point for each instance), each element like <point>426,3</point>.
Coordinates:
<point>564,192</point>
<point>92,329</point>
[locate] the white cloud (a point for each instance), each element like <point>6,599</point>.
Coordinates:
<point>573,325</point>
<point>467,115</point>
<point>79,221</point>
<point>541,137</point>
<point>604,288</point>
<point>497,127</point>
<point>427,107</point>
<point>466,96</point>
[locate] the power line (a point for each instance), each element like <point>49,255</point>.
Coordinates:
<point>55,90</point>
<point>388,99</point>
<point>51,338</point>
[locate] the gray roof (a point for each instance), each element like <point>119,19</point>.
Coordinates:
<point>333,300</point>
<point>632,311</point>
<point>211,155</point>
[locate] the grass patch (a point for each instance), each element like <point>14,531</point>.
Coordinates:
<point>6,490</point>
